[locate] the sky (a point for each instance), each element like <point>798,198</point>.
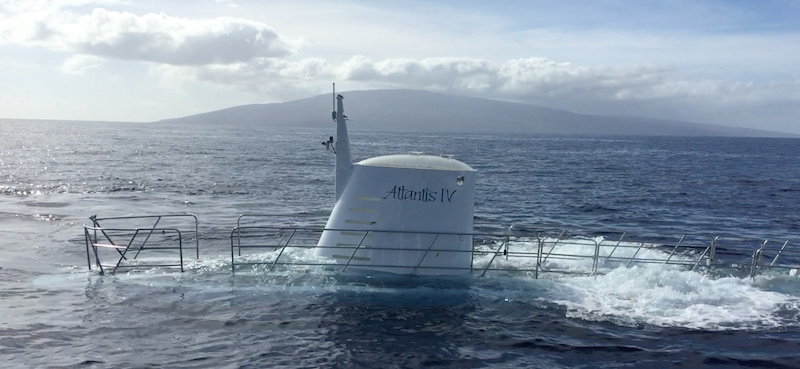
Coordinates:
<point>727,62</point>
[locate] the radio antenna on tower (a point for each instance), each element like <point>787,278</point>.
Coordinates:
<point>333,115</point>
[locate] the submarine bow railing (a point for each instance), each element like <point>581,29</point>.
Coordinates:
<point>536,253</point>
<point>513,249</point>
<point>164,234</point>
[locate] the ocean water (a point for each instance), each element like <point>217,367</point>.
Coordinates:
<point>55,313</point>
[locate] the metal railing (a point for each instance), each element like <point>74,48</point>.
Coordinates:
<point>531,252</point>
<point>514,249</point>
<point>123,240</point>
<point>277,240</point>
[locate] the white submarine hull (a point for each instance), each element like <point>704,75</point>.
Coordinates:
<point>402,214</point>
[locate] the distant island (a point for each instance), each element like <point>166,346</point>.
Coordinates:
<point>425,111</point>
<point>415,110</point>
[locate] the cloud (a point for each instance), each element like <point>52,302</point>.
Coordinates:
<point>230,3</point>
<point>445,74</point>
<point>78,64</point>
<point>540,78</point>
<point>151,37</point>
<point>516,78</point>
<point>266,77</point>
<point>263,70</point>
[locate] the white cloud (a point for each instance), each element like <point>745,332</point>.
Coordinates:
<point>529,78</point>
<point>229,2</point>
<point>78,64</point>
<point>151,37</point>
<point>264,70</point>
<point>270,78</point>
<point>443,74</point>
<point>540,78</point>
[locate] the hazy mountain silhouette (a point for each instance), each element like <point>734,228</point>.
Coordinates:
<point>436,112</point>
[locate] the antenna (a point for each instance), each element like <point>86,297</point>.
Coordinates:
<point>333,115</point>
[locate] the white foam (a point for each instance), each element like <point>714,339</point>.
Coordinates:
<point>678,298</point>
<point>656,294</point>
<point>649,292</point>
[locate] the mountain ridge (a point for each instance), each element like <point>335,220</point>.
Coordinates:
<point>418,110</point>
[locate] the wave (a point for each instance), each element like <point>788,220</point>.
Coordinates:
<point>642,294</point>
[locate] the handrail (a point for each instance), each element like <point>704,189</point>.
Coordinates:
<point>146,239</point>
<point>157,218</point>
<point>565,253</point>
<point>615,247</point>
<point>641,244</point>
<point>554,244</point>
<point>239,225</point>
<point>96,223</point>
<point>320,229</point>
<point>504,247</point>
<point>504,243</point>
<point>758,256</point>
<point>426,254</point>
<point>779,253</point>
<point>675,249</point>
<point>282,249</point>
<point>539,249</point>
<point>93,246</point>
<point>595,257</point>
<point>713,241</point>
<point>354,251</point>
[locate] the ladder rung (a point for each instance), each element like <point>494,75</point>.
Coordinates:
<point>109,246</point>
<point>108,265</point>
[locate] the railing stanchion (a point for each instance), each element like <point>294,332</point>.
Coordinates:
<point>88,240</point>
<point>233,255</point>
<point>355,251</point>
<point>757,258</point>
<point>779,253</point>
<point>540,248</point>
<point>180,248</point>
<point>554,244</point>
<point>503,244</point>
<point>641,244</point>
<point>615,246</point>
<point>674,249</point>
<point>426,254</point>
<point>282,249</point>
<point>155,225</point>
<point>700,259</point>
<point>595,257</point>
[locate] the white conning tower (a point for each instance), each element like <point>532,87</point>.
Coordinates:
<point>404,214</point>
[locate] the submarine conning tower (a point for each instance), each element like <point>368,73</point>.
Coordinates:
<point>403,214</point>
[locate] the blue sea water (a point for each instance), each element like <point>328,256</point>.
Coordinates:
<point>55,313</point>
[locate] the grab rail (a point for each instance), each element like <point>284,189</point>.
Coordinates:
<point>95,246</point>
<point>525,249</point>
<point>157,218</point>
